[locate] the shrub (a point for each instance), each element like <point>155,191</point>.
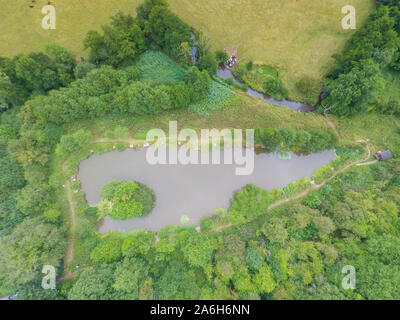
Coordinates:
<point>248,203</point>
<point>313,200</point>
<point>108,250</point>
<point>208,62</point>
<point>308,86</point>
<point>249,65</point>
<point>221,56</point>
<point>272,86</point>
<point>253,258</point>
<point>82,69</point>
<point>72,142</point>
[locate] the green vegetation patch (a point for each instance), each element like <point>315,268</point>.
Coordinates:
<point>125,200</point>
<point>261,78</point>
<point>217,97</point>
<point>157,66</point>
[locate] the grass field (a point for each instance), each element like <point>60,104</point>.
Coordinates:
<point>297,36</point>
<point>382,131</point>
<point>22,32</point>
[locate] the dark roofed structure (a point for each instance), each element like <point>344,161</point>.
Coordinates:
<point>383,155</point>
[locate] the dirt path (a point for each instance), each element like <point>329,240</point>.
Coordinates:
<point>69,255</point>
<point>367,163</point>
<point>72,218</point>
<point>331,125</point>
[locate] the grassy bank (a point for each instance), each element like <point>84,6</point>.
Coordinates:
<point>243,112</point>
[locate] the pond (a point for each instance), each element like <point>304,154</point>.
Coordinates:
<point>191,190</point>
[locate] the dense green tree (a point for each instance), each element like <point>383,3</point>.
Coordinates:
<point>121,43</point>
<point>82,69</point>
<point>208,62</point>
<point>253,258</point>
<point>198,249</point>
<point>94,284</point>
<point>167,30</point>
<point>35,291</point>
<point>72,142</point>
<point>377,34</point>
<point>128,276</point>
<point>275,231</point>
<point>198,83</point>
<point>176,282</point>
<point>10,216</point>
<point>11,177</point>
<point>138,242</point>
<point>184,56</point>
<point>144,9</point>
<point>249,202</point>
<point>36,72</point>
<point>357,80</point>
<point>23,253</point>
<point>324,225</point>
<point>357,90</point>
<point>126,200</point>
<point>32,198</point>
<point>264,279</point>
<point>108,250</point>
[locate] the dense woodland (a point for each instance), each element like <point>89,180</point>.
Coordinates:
<point>360,82</point>
<point>292,251</point>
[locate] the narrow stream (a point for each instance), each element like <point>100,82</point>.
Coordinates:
<point>295,106</point>
<point>226,73</point>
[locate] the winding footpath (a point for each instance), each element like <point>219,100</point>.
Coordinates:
<point>72,218</point>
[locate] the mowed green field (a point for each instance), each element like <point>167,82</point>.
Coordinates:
<point>296,36</point>
<point>21,26</point>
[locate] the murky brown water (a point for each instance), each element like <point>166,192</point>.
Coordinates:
<point>191,190</point>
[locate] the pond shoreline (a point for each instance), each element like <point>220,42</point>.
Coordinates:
<point>192,190</point>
